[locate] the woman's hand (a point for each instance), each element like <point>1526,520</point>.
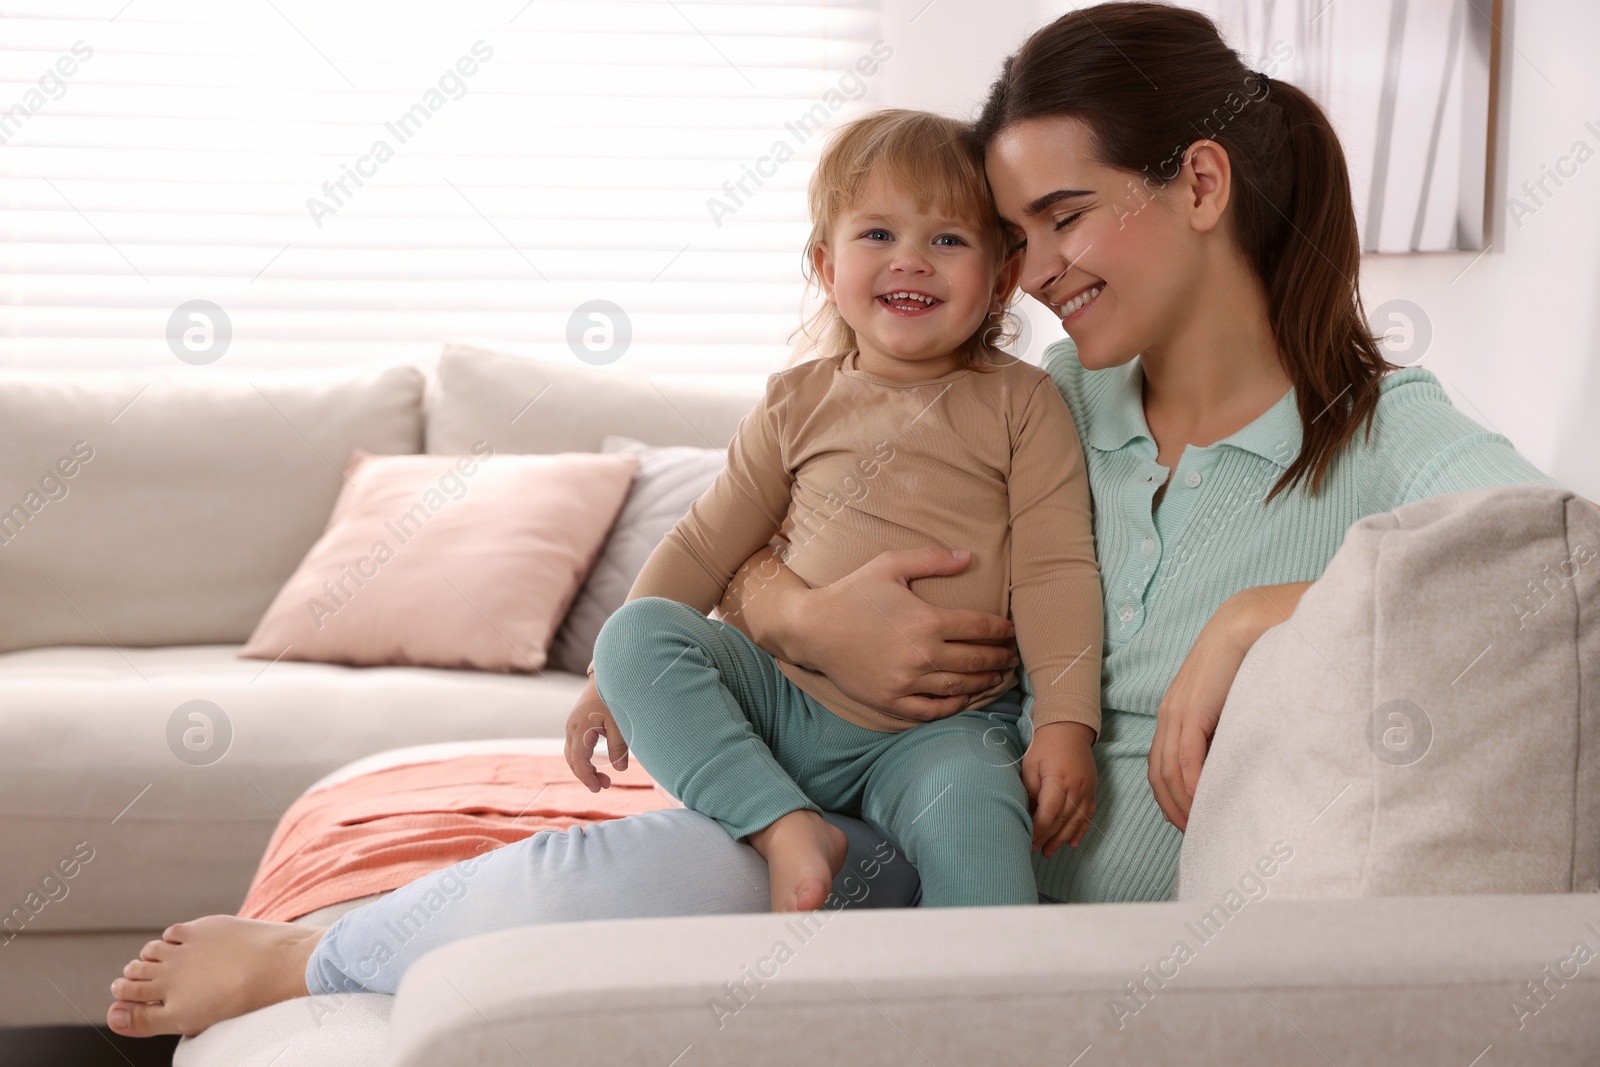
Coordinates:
<point>586,723</point>
<point>1189,713</point>
<point>872,636</point>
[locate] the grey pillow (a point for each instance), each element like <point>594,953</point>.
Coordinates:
<point>668,481</point>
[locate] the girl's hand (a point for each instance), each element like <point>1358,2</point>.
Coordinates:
<point>588,720</point>
<point>1189,713</point>
<point>872,636</point>
<point>1059,773</point>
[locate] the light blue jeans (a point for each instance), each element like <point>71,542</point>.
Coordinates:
<point>682,863</point>
<point>661,863</point>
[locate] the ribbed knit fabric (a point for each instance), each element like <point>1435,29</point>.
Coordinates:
<point>1165,575</point>
<point>848,464</point>
<point>719,726</point>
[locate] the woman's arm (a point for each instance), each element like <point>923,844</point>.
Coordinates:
<point>871,635</point>
<point>1189,712</point>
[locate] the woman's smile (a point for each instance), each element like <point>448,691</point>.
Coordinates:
<point>1072,309</point>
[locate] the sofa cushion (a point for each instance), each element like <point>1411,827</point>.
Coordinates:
<point>1428,981</point>
<point>102,748</point>
<point>448,561</point>
<point>440,750</point>
<point>517,403</point>
<point>1309,983</point>
<point>1428,720</point>
<point>339,1030</point>
<point>168,507</point>
<point>668,481</point>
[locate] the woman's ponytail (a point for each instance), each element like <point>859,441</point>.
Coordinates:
<point>1150,79</point>
<point>1332,359</point>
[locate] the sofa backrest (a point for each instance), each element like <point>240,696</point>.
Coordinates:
<point>495,393</point>
<point>169,507</point>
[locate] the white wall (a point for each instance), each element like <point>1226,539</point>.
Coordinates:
<point>1516,332</point>
<point>947,53</point>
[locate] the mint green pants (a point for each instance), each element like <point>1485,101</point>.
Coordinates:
<point>716,723</point>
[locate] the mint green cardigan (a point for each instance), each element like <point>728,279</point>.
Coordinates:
<point>1164,574</point>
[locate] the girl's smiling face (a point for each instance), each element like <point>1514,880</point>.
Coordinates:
<point>1108,255</point>
<point>884,246</point>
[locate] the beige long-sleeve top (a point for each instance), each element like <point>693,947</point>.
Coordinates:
<point>846,464</point>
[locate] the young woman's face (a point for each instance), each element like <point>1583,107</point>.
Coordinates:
<point>885,246</point>
<point>1105,253</point>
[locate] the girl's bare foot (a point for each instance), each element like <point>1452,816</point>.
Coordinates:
<point>804,852</point>
<point>208,970</point>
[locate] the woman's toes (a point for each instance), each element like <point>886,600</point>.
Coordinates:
<point>140,970</point>
<point>135,1020</point>
<point>177,933</point>
<point>135,992</point>
<point>155,951</point>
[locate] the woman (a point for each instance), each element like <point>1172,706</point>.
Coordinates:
<point>1191,222</point>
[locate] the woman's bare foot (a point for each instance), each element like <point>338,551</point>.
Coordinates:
<point>804,852</point>
<point>208,970</point>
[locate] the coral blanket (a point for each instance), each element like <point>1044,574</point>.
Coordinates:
<point>376,832</point>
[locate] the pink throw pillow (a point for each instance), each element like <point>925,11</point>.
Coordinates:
<point>447,561</point>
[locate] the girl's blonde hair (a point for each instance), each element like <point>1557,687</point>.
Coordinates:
<point>937,158</point>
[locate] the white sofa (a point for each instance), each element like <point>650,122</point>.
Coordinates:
<point>1394,973</point>
<point>1396,980</point>
<point>128,586</point>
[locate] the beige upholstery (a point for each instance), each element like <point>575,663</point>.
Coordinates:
<point>62,979</point>
<point>337,1029</point>
<point>1423,723</point>
<point>521,404</point>
<point>204,490</point>
<point>160,561</point>
<point>1236,970</point>
<point>173,840</point>
<point>1396,981</point>
<point>553,745</point>
<point>330,1031</point>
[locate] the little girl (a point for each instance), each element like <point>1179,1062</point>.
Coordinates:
<point>909,431</point>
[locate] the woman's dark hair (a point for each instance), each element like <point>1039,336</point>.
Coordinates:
<point>1148,80</point>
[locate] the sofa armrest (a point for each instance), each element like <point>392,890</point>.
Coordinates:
<point>1414,980</point>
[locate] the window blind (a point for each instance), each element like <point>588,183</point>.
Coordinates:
<point>353,180</point>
